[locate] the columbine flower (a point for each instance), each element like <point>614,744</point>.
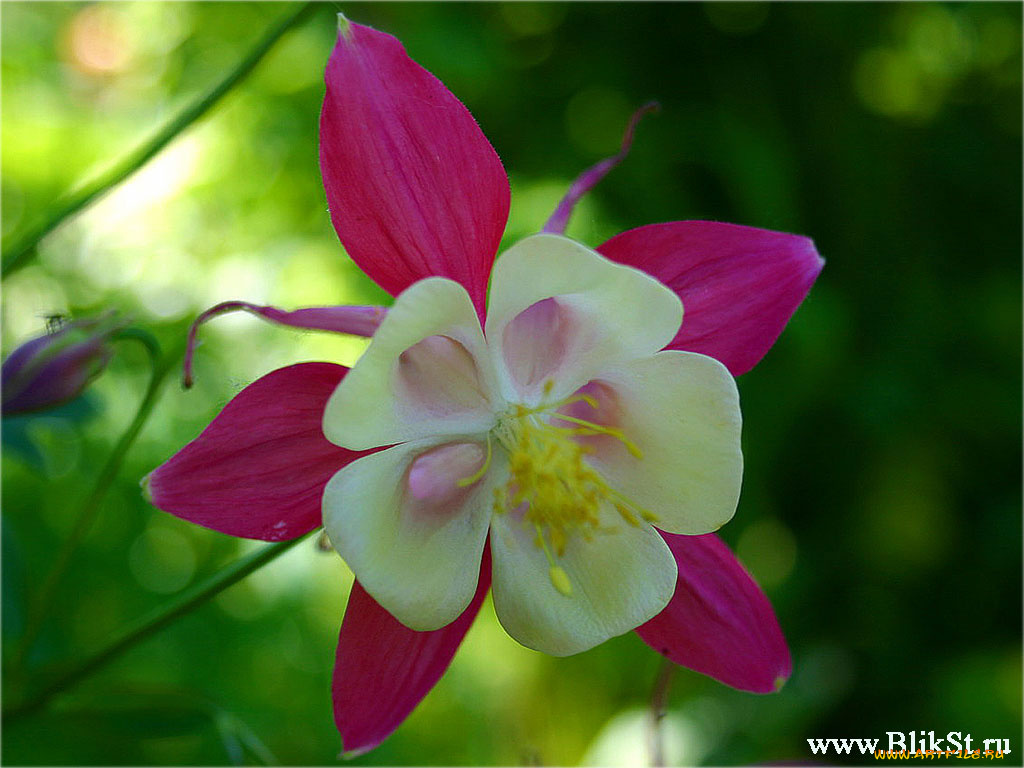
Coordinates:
<point>57,367</point>
<point>562,435</point>
<point>559,445</point>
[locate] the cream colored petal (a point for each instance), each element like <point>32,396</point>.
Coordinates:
<point>426,372</point>
<point>681,410</point>
<point>619,580</point>
<point>560,311</point>
<point>414,546</point>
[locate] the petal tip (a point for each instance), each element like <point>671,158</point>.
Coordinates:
<point>344,27</point>
<point>352,754</point>
<point>814,261</point>
<point>147,492</point>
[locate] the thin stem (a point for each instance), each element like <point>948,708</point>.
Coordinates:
<point>659,702</point>
<point>19,254</point>
<point>90,507</point>
<point>145,338</point>
<point>156,621</point>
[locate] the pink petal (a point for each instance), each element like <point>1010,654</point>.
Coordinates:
<point>259,469</point>
<point>383,669</point>
<point>439,375</point>
<point>739,285</point>
<point>535,342</point>
<point>719,622</point>
<point>434,477</point>
<point>413,185</point>
<point>346,318</point>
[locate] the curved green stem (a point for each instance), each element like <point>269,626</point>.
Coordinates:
<point>91,506</point>
<point>144,337</point>
<point>20,253</point>
<point>177,607</point>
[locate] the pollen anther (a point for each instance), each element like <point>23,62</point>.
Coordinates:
<point>559,494</point>
<point>560,580</point>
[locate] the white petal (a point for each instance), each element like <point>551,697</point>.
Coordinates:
<point>681,409</point>
<point>425,373</point>
<point>559,310</point>
<point>619,580</point>
<point>417,554</point>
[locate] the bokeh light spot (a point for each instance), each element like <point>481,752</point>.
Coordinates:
<point>162,560</point>
<point>624,741</point>
<point>891,83</point>
<point>531,18</point>
<point>98,42</point>
<point>768,549</point>
<point>595,119</point>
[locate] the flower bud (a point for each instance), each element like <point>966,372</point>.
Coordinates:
<point>52,369</point>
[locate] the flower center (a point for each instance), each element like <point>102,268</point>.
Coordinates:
<point>559,493</point>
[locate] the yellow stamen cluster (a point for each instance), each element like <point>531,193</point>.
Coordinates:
<point>560,493</point>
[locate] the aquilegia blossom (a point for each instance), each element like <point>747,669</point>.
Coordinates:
<point>567,440</point>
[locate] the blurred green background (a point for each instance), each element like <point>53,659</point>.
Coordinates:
<point>881,507</point>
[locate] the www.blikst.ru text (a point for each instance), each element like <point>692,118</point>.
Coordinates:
<point>916,744</point>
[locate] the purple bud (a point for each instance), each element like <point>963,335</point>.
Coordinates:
<point>51,370</point>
